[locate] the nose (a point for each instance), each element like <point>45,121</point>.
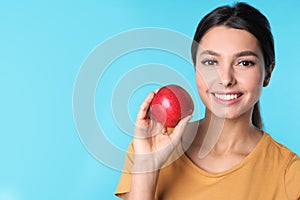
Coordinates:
<point>227,78</point>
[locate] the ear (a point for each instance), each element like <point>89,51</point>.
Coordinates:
<point>268,74</point>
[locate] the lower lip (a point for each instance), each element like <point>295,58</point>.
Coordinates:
<point>226,102</point>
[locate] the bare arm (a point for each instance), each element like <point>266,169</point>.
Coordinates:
<point>152,148</point>
<point>143,186</point>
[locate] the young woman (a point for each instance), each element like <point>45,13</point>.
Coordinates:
<point>234,58</point>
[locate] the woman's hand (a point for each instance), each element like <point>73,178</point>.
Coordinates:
<point>152,147</point>
<point>152,144</point>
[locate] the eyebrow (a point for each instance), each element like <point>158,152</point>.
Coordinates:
<point>245,53</point>
<point>209,52</point>
<point>239,54</point>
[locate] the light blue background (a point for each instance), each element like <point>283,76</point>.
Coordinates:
<point>42,46</point>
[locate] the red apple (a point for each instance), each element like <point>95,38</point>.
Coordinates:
<point>170,104</point>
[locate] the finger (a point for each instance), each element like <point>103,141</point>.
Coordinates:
<point>157,128</point>
<point>143,110</point>
<point>179,129</point>
<point>164,131</point>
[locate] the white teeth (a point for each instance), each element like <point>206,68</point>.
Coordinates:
<point>226,97</point>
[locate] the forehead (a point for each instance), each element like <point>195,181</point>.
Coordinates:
<point>225,40</point>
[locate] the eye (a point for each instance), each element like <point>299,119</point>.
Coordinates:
<point>246,63</point>
<point>209,62</point>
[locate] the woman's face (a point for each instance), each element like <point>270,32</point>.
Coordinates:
<point>230,71</point>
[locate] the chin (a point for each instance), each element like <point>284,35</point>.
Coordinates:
<point>224,113</point>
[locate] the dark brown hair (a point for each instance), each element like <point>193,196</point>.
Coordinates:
<point>245,17</point>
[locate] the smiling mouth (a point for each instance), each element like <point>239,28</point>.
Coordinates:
<point>227,97</point>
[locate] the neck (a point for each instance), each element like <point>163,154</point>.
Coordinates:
<point>226,135</point>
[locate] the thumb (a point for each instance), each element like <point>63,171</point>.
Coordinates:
<point>179,129</point>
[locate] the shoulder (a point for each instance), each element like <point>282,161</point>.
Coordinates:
<point>291,166</point>
<point>292,178</point>
<point>275,156</point>
<point>277,150</point>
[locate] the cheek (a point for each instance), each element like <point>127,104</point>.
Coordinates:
<point>203,89</point>
<point>252,81</point>
<point>206,78</point>
<point>202,84</point>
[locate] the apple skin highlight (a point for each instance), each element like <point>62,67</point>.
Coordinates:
<point>170,104</point>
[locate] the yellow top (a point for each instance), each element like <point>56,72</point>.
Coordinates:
<point>271,171</point>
